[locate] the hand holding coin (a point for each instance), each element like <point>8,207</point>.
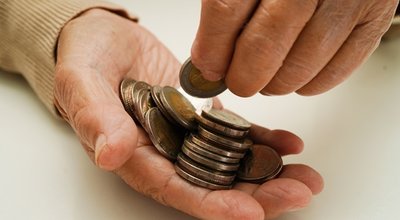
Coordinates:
<point>284,46</point>
<point>95,52</point>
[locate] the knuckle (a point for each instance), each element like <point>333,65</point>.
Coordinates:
<point>381,10</point>
<point>287,13</point>
<point>293,75</point>
<point>261,46</point>
<point>297,71</point>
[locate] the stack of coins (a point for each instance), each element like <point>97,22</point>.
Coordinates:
<point>211,156</point>
<point>211,149</point>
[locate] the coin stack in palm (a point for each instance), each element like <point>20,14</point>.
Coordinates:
<point>211,156</point>
<point>211,150</point>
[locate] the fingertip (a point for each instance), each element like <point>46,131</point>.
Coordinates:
<point>110,157</point>
<point>288,140</point>
<point>282,195</point>
<point>207,65</point>
<point>116,144</point>
<point>307,175</point>
<point>310,91</point>
<point>239,86</point>
<point>284,142</point>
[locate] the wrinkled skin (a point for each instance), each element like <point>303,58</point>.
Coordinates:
<point>95,52</point>
<point>276,47</point>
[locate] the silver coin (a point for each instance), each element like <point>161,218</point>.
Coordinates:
<point>194,84</point>
<point>236,145</point>
<point>179,107</point>
<point>168,139</point>
<point>216,165</point>
<point>221,129</point>
<point>214,148</point>
<point>204,173</point>
<point>201,151</point>
<point>226,118</point>
<point>197,181</point>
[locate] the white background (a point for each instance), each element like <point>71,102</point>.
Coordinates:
<point>351,136</point>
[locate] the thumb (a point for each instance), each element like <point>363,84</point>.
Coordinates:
<point>92,107</point>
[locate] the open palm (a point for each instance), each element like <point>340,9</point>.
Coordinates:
<point>95,52</point>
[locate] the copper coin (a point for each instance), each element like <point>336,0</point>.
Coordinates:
<point>125,91</point>
<point>204,173</point>
<point>215,148</point>
<point>213,164</point>
<point>230,143</point>
<point>168,139</point>
<point>263,180</point>
<point>201,151</point>
<point>260,163</point>
<point>194,84</point>
<point>226,118</point>
<point>155,94</point>
<point>221,129</point>
<point>179,107</point>
<point>197,181</point>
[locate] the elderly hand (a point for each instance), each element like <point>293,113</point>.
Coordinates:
<point>276,47</point>
<point>95,52</point>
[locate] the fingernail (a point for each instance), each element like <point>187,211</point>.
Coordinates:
<point>212,76</point>
<point>101,142</point>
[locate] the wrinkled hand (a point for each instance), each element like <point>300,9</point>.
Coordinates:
<point>276,47</point>
<point>95,52</point>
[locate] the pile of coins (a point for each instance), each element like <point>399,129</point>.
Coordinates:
<point>211,149</point>
<point>211,155</point>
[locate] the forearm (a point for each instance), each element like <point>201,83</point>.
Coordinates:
<point>28,36</point>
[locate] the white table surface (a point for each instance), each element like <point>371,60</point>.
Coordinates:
<point>351,136</point>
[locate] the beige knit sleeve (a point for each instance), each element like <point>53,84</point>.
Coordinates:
<point>28,35</point>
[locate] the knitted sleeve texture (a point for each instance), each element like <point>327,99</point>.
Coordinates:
<point>29,30</point>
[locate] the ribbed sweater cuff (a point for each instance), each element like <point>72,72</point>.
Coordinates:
<point>28,36</point>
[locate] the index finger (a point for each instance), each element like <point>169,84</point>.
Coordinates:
<point>220,25</point>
